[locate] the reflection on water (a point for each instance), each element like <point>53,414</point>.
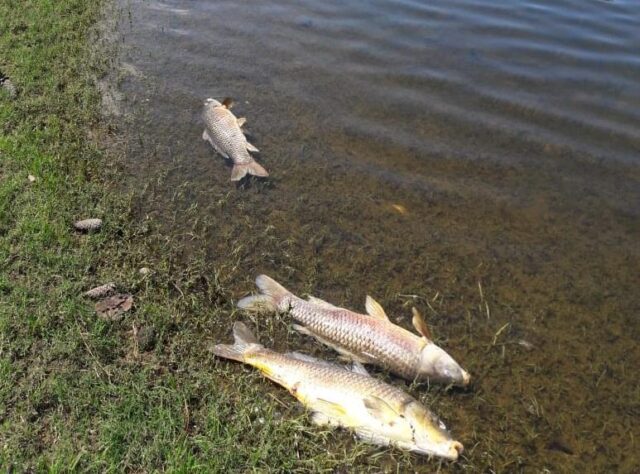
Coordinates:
<point>478,159</point>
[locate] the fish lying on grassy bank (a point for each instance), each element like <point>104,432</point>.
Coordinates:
<point>222,130</point>
<point>369,339</point>
<point>377,412</point>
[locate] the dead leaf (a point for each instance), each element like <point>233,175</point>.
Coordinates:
<point>114,307</point>
<point>399,208</point>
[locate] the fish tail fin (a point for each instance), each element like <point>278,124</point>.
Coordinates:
<point>239,171</point>
<point>244,341</point>
<point>272,294</point>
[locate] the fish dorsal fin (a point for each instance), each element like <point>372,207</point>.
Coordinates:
<point>358,368</point>
<point>380,409</point>
<point>319,302</point>
<point>421,325</point>
<point>375,309</point>
<point>301,356</point>
<point>227,102</point>
<point>311,359</point>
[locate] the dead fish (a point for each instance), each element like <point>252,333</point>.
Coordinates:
<point>378,413</point>
<point>222,130</point>
<point>368,339</point>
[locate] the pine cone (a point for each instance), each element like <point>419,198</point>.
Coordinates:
<point>102,290</point>
<point>88,224</point>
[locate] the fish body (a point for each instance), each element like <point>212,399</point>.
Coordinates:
<point>222,131</point>
<point>369,339</point>
<point>377,412</point>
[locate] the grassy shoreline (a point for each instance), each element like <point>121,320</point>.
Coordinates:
<point>77,392</point>
<point>47,333</point>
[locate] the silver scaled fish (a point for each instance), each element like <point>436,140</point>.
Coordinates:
<point>368,339</point>
<point>377,412</point>
<point>222,131</point>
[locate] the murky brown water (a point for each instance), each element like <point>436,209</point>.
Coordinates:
<point>480,160</point>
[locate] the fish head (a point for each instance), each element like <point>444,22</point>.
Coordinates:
<point>209,102</point>
<point>429,434</point>
<point>435,364</point>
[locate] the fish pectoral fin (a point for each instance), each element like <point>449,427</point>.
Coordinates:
<point>381,410</point>
<point>357,368</point>
<point>241,121</point>
<point>375,309</point>
<point>321,303</point>
<point>322,419</point>
<point>227,102</point>
<point>250,147</point>
<point>302,330</point>
<point>205,135</point>
<point>311,359</point>
<point>371,437</point>
<point>329,408</point>
<point>420,324</point>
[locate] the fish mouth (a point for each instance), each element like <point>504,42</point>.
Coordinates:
<point>450,451</point>
<point>210,100</point>
<point>466,378</point>
<point>455,450</point>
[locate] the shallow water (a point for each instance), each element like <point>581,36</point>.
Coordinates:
<point>480,160</point>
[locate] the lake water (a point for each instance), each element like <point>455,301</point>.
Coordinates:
<point>477,159</point>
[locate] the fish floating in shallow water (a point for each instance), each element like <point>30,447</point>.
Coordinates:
<point>377,412</point>
<point>369,339</point>
<point>222,130</point>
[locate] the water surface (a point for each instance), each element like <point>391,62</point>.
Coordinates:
<point>477,159</point>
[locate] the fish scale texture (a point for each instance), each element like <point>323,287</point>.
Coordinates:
<point>368,338</point>
<point>226,135</point>
<point>291,370</point>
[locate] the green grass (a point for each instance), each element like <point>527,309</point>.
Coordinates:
<point>76,393</point>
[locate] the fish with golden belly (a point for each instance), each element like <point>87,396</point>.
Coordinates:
<point>377,412</point>
<point>368,339</point>
<point>222,131</point>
